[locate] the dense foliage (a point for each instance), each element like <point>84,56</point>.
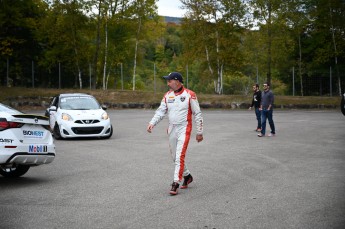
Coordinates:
<point>220,46</point>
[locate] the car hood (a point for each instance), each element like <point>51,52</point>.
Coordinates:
<point>84,114</point>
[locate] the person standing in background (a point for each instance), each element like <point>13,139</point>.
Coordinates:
<point>266,107</point>
<point>256,101</point>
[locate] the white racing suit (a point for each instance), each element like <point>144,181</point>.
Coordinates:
<point>180,108</point>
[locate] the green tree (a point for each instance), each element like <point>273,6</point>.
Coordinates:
<point>142,10</point>
<point>266,12</point>
<point>328,34</point>
<point>17,43</point>
<point>62,35</point>
<point>217,28</point>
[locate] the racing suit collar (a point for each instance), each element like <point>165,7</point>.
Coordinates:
<point>179,91</point>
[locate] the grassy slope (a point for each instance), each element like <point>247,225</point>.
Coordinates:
<point>116,96</point>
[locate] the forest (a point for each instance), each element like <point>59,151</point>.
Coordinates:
<point>219,46</point>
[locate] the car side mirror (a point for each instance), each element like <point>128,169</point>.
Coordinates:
<point>52,108</point>
<point>104,107</point>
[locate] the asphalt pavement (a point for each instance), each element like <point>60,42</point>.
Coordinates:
<point>293,180</point>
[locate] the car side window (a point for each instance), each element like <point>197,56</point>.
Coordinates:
<point>53,102</point>
<point>56,101</point>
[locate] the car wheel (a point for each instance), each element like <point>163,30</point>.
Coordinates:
<point>56,132</point>
<point>342,104</point>
<point>111,133</point>
<point>14,171</point>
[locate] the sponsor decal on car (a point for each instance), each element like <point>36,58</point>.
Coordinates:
<point>4,140</point>
<point>17,120</point>
<point>37,149</point>
<point>63,100</point>
<point>33,133</point>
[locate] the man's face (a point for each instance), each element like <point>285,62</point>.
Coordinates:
<point>266,87</point>
<point>254,88</point>
<point>174,84</point>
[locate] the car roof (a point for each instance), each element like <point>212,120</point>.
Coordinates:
<point>74,94</point>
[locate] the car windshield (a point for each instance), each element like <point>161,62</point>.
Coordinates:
<point>79,103</point>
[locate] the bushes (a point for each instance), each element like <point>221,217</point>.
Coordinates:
<point>237,83</point>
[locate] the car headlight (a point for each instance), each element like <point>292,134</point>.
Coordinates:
<point>66,117</point>
<point>105,116</point>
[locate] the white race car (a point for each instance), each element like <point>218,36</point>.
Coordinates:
<point>78,115</point>
<point>25,141</point>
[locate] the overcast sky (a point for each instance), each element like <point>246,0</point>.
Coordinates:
<point>170,8</point>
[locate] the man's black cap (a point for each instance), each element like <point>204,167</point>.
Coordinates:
<point>174,76</point>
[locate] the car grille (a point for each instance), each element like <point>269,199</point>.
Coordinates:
<point>87,121</point>
<point>87,130</point>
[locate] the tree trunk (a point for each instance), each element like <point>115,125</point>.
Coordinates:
<point>300,64</point>
<point>269,51</point>
<point>136,51</point>
<point>210,69</point>
<point>335,52</point>
<point>219,82</point>
<point>98,41</point>
<point>105,54</point>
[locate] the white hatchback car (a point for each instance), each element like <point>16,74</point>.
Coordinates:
<point>76,115</point>
<point>25,141</point>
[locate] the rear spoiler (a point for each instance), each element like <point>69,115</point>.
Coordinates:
<point>30,119</point>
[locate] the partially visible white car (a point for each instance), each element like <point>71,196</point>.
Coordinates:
<point>25,141</point>
<point>77,115</point>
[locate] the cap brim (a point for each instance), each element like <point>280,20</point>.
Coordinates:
<point>166,77</point>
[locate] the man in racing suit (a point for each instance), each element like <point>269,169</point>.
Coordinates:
<point>180,103</point>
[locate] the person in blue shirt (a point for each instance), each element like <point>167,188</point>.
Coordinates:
<point>266,107</point>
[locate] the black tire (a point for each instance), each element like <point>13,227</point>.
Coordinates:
<point>14,171</point>
<point>342,104</point>
<point>111,133</point>
<point>56,132</point>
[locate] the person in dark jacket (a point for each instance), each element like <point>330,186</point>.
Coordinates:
<point>266,107</point>
<point>256,101</point>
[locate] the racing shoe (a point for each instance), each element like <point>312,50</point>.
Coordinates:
<point>174,188</point>
<point>187,180</point>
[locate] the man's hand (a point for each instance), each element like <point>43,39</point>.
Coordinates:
<point>149,128</point>
<point>199,137</point>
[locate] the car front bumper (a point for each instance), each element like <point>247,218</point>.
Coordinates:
<point>74,130</point>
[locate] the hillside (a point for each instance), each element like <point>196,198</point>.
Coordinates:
<point>38,98</point>
<point>176,20</point>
